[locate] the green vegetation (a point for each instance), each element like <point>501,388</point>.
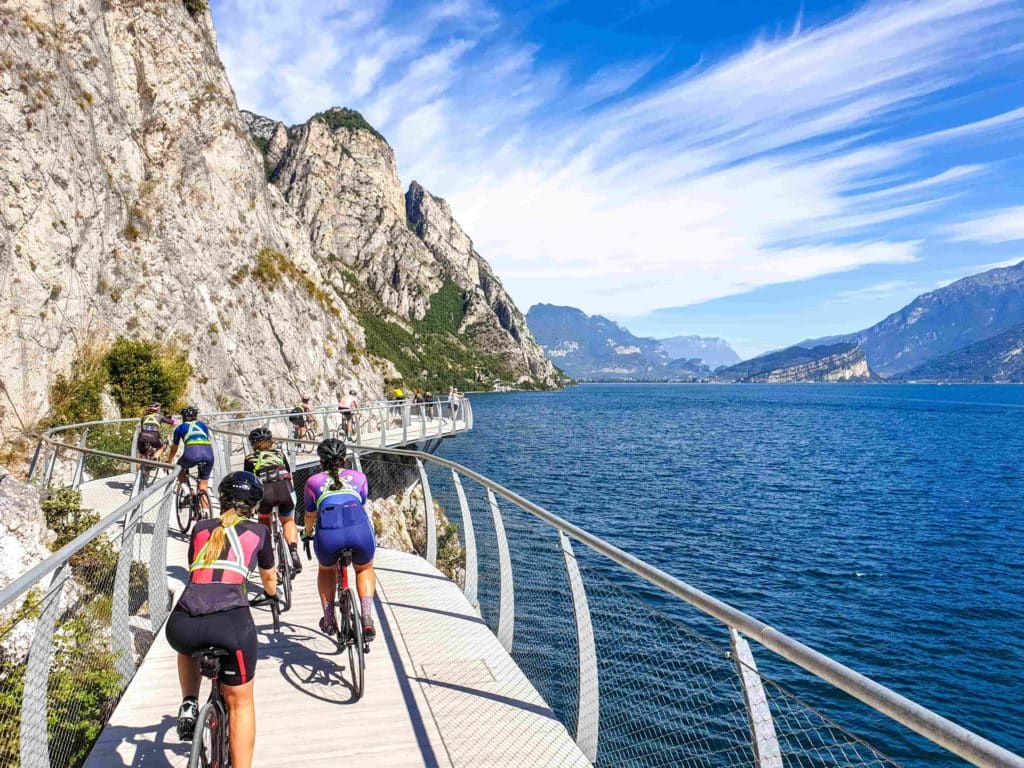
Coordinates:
<point>342,117</point>
<point>271,270</point>
<point>430,354</point>
<point>92,566</point>
<point>195,7</point>
<point>136,373</point>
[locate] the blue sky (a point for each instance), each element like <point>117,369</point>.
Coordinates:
<point>763,171</point>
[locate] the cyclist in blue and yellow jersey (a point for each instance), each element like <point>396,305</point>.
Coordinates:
<point>335,500</point>
<point>270,465</point>
<point>150,444</point>
<point>198,451</point>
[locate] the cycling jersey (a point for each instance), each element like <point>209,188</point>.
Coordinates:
<point>220,585</point>
<point>198,448</point>
<point>347,403</point>
<point>151,422</point>
<point>192,433</point>
<point>342,522</point>
<point>269,466</point>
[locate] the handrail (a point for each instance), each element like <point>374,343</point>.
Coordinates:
<point>69,550</point>
<point>934,727</point>
<point>937,729</point>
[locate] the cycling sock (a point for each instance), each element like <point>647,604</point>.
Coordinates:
<point>365,603</point>
<point>329,610</point>
<point>293,547</point>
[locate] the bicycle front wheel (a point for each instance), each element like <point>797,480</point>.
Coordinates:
<point>354,641</point>
<point>284,570</point>
<point>209,744</point>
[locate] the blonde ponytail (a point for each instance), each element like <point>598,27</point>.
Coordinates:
<point>211,551</point>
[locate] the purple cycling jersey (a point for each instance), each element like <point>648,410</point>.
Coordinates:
<point>316,485</point>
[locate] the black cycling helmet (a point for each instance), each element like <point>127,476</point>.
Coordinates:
<point>260,433</point>
<point>331,452</point>
<point>190,413</point>
<point>240,489</point>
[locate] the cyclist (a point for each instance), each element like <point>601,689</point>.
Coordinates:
<point>198,451</point>
<point>214,611</point>
<point>334,505</point>
<point>300,417</point>
<point>271,467</point>
<point>150,443</point>
<point>347,404</point>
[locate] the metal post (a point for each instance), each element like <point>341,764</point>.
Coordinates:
<point>763,740</point>
<point>327,428</point>
<point>405,422</point>
<point>423,420</point>
<point>76,480</point>
<point>359,427</point>
<point>507,598</point>
<point>120,629</point>
<point>159,596</point>
<point>383,426</point>
<point>50,464</point>
<point>134,453</point>
<point>428,511</point>
<point>469,537</point>
<point>588,704</point>
<point>33,465</point>
<point>356,461</point>
<point>35,751</point>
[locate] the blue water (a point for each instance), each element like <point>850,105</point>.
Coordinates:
<point>882,525</point>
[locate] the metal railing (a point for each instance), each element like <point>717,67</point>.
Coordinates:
<point>597,631</point>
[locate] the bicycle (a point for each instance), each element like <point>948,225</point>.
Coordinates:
<point>151,452</point>
<point>190,506</point>
<point>284,561</point>
<point>210,745</point>
<point>311,433</point>
<point>349,633</point>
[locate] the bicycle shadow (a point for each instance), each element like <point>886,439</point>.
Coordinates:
<point>309,661</point>
<point>152,747</point>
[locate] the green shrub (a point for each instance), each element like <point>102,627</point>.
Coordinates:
<point>447,310</point>
<point>195,7</point>
<point>77,397</point>
<point>141,372</point>
<point>342,117</point>
<point>92,566</point>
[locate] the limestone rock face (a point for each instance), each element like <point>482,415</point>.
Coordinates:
<point>343,185</point>
<point>131,196</point>
<point>845,366</point>
<point>23,544</point>
<point>498,324</point>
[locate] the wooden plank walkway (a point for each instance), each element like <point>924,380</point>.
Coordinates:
<point>440,689</point>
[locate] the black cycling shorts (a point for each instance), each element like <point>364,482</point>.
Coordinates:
<point>149,439</point>
<point>232,630</point>
<point>277,494</point>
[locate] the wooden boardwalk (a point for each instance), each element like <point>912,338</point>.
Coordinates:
<point>440,689</point>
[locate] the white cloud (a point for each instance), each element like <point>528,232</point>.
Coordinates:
<point>797,157</point>
<point>1003,226</point>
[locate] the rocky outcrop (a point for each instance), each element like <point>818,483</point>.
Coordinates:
<point>798,365</point>
<point>998,359</point>
<point>134,203</point>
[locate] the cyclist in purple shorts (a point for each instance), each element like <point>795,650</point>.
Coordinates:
<point>335,500</point>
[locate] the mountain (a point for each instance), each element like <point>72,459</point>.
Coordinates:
<point>136,203</point>
<point>712,351</point>
<point>942,321</point>
<point>594,347</point>
<point>998,359</point>
<point>827,363</point>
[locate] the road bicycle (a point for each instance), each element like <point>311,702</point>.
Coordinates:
<point>149,472</point>
<point>312,432</point>
<point>191,505</point>
<point>210,743</point>
<point>349,622</point>
<point>285,571</point>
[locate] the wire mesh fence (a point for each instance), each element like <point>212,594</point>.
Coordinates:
<point>71,640</point>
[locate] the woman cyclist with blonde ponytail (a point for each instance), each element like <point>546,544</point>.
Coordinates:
<point>214,610</point>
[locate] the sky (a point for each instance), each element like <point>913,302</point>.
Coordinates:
<point>760,170</point>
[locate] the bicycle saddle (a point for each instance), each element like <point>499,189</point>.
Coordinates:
<point>209,660</point>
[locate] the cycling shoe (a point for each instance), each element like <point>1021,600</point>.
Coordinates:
<point>328,626</point>
<point>187,714</point>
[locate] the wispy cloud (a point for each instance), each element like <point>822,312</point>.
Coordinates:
<point>802,155</point>
<point>1003,226</point>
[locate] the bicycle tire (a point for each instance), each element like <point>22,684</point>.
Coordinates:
<point>208,748</point>
<point>184,508</point>
<point>354,641</point>
<point>284,569</point>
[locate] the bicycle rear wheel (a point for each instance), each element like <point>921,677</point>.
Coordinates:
<point>353,635</point>
<point>184,508</point>
<point>209,744</point>
<point>284,569</point>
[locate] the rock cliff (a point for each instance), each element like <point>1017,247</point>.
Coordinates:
<point>798,365</point>
<point>134,202</point>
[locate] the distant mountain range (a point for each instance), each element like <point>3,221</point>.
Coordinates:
<point>998,359</point>
<point>943,321</point>
<point>594,347</point>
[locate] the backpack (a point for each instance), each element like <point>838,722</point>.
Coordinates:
<point>339,507</point>
<point>299,417</point>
